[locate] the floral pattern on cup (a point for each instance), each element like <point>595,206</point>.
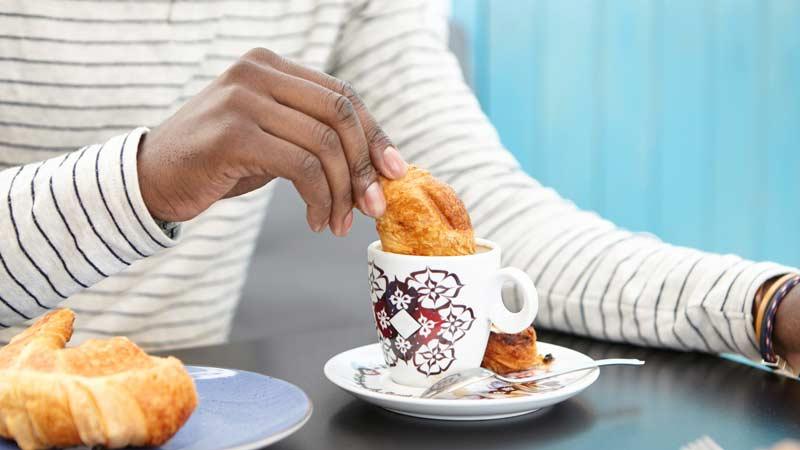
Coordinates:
<point>456,320</point>
<point>436,288</point>
<point>434,357</point>
<point>400,299</point>
<point>377,282</point>
<point>417,319</point>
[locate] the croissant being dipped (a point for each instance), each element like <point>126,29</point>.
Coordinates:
<point>106,392</point>
<point>425,217</point>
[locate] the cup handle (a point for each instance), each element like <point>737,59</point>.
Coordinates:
<point>505,320</point>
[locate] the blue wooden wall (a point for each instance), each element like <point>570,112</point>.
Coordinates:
<point>678,117</point>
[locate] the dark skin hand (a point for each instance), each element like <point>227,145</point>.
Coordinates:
<point>787,325</point>
<point>263,118</point>
<point>787,328</point>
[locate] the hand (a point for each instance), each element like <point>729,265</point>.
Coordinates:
<point>787,328</point>
<point>263,118</point>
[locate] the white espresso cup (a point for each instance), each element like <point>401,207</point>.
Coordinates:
<point>433,313</point>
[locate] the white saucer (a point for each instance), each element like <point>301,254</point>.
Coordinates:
<point>362,372</point>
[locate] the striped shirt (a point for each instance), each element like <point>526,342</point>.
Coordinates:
<point>79,79</point>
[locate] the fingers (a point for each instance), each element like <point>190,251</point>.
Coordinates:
<point>339,113</point>
<point>335,103</point>
<point>382,152</point>
<point>270,155</point>
<point>319,139</point>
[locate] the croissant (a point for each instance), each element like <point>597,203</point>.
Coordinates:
<point>103,392</point>
<point>424,217</point>
<point>506,353</point>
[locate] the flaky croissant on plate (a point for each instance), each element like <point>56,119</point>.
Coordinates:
<point>104,392</point>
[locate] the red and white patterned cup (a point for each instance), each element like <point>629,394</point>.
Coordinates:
<point>433,313</point>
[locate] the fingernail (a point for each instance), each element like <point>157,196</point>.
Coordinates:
<point>394,162</point>
<point>348,222</point>
<point>360,206</point>
<point>321,227</point>
<point>374,203</point>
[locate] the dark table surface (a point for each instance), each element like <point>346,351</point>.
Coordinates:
<point>302,281</point>
<point>675,398</point>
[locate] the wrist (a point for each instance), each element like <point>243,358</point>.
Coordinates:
<point>142,172</point>
<point>151,195</point>
<point>786,334</point>
<point>128,165</point>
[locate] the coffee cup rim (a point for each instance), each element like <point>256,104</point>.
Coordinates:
<point>493,248</point>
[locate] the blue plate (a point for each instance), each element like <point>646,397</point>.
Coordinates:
<point>238,410</point>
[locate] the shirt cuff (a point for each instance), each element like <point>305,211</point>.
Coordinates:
<point>117,178</point>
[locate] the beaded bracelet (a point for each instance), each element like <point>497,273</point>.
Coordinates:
<point>767,321</point>
<point>765,299</point>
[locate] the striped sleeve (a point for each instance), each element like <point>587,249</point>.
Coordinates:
<point>70,221</point>
<point>594,278</point>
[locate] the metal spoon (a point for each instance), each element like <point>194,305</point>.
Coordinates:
<point>466,377</point>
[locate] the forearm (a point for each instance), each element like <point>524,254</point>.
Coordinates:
<point>593,277</point>
<point>69,222</point>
